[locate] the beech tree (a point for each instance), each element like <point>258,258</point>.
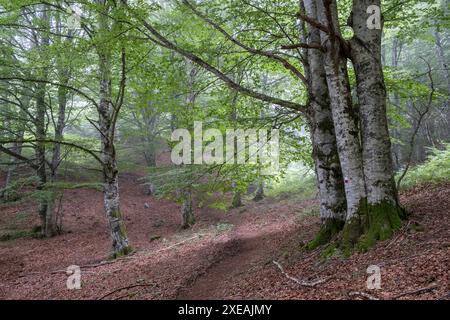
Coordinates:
<point>362,138</point>
<point>130,73</point>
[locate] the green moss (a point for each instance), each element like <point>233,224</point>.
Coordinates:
<point>350,235</point>
<point>115,213</point>
<point>329,229</point>
<point>329,251</point>
<point>383,220</point>
<point>122,252</point>
<point>353,229</point>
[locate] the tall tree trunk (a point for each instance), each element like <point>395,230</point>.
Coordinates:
<point>345,123</point>
<point>383,206</point>
<point>64,76</point>
<point>120,245</point>
<point>327,166</point>
<point>150,124</point>
<point>45,213</point>
<point>259,195</point>
<point>395,100</point>
<point>48,223</point>
<point>187,212</point>
<point>59,129</point>
<point>236,200</point>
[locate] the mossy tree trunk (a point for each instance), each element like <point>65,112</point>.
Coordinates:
<point>327,165</point>
<point>187,212</point>
<point>48,229</point>
<point>107,120</point>
<point>382,200</point>
<point>344,120</point>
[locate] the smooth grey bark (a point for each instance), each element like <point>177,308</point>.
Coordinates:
<point>150,126</point>
<point>46,213</point>
<point>397,151</point>
<point>107,118</point>
<point>59,131</point>
<point>326,159</point>
<point>64,76</point>
<point>236,200</point>
<point>150,150</point>
<point>110,172</point>
<point>372,97</point>
<point>187,212</point>
<point>344,115</point>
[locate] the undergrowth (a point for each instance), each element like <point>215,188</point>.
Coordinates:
<point>435,170</point>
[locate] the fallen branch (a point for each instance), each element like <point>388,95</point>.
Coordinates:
<point>420,290</point>
<point>300,282</point>
<point>363,294</point>
<point>197,236</point>
<point>123,288</point>
<point>401,234</point>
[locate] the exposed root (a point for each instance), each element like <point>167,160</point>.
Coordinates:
<point>300,282</point>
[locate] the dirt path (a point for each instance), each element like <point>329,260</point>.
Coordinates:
<point>243,252</point>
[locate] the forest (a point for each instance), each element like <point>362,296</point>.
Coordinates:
<point>224,149</point>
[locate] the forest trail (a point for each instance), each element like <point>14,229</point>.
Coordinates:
<point>226,255</point>
<point>244,251</point>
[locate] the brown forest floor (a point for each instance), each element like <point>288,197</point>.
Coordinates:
<point>226,255</point>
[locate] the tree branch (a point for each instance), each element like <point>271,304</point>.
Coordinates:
<point>163,41</point>
<point>268,54</point>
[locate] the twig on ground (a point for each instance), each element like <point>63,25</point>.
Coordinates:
<point>123,288</point>
<point>401,234</point>
<point>300,282</point>
<point>363,294</point>
<point>416,291</point>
